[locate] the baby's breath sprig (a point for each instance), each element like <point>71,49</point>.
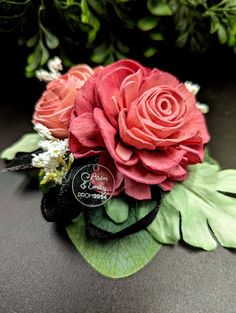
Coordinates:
<point>56,159</point>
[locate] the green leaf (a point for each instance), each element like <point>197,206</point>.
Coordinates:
<point>88,18</point>
<point>156,36</point>
<point>33,59</point>
<point>231,40</point>
<point>182,40</point>
<point>147,23</point>
<point>165,227</point>
<point>27,143</point>
<point>117,209</point>
<point>210,160</point>
<point>227,181</point>
<point>115,258</point>
<point>44,55</point>
<point>100,53</point>
<point>32,41</point>
<point>222,34</point>
<point>151,51</point>
<point>98,6</point>
<point>51,40</point>
<point>202,208</point>
<point>214,24</point>
<point>122,47</point>
<point>159,8</point>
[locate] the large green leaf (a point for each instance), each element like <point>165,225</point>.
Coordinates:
<point>117,209</point>
<point>199,208</point>
<point>114,258</point>
<point>27,143</point>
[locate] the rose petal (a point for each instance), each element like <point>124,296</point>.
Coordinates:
<point>123,151</point>
<point>187,96</point>
<point>86,131</point>
<point>159,78</point>
<point>130,138</point>
<point>140,174</point>
<point>86,99</point>
<point>108,88</point>
<point>80,151</point>
<point>194,153</point>
<point>130,88</point>
<point>137,190</point>
<point>162,160</point>
<point>108,162</point>
<point>167,185</point>
<point>109,134</point>
<point>177,173</point>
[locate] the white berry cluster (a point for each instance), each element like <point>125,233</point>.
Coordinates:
<point>54,66</point>
<point>194,89</point>
<point>55,160</point>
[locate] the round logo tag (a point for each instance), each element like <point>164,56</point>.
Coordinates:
<point>93,185</point>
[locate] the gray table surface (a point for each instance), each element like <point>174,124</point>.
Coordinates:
<point>40,270</point>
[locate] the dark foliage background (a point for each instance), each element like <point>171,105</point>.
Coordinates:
<point>100,32</point>
<point>127,28</point>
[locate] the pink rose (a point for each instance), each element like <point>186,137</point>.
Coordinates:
<point>143,124</point>
<point>53,109</point>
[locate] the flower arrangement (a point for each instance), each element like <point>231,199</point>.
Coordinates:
<point>121,158</point>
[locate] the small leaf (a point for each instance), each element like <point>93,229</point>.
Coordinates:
<point>231,40</point>
<point>100,53</point>
<point>182,40</point>
<point>151,51</point>
<point>51,40</point>
<point>159,8</point>
<point>122,47</point>
<point>156,36</point>
<point>98,6</point>
<point>117,209</point>
<point>27,143</point>
<point>120,56</point>
<point>115,258</point>
<point>45,54</point>
<point>33,59</point>
<point>88,18</point>
<point>233,27</point>
<point>32,41</point>
<point>214,24</point>
<point>222,34</point>
<point>147,23</point>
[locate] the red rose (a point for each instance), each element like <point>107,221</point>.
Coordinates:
<point>53,109</point>
<point>143,124</point>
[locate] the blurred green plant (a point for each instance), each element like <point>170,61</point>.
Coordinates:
<point>100,32</point>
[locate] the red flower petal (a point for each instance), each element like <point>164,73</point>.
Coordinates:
<point>194,153</point>
<point>108,88</point>
<point>177,173</point>
<point>124,152</point>
<point>108,162</point>
<point>80,151</point>
<point>140,174</point>
<point>159,78</point>
<point>137,190</point>
<point>130,137</point>
<point>162,160</point>
<point>85,130</point>
<point>109,134</point>
<point>86,99</point>
<point>167,185</point>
